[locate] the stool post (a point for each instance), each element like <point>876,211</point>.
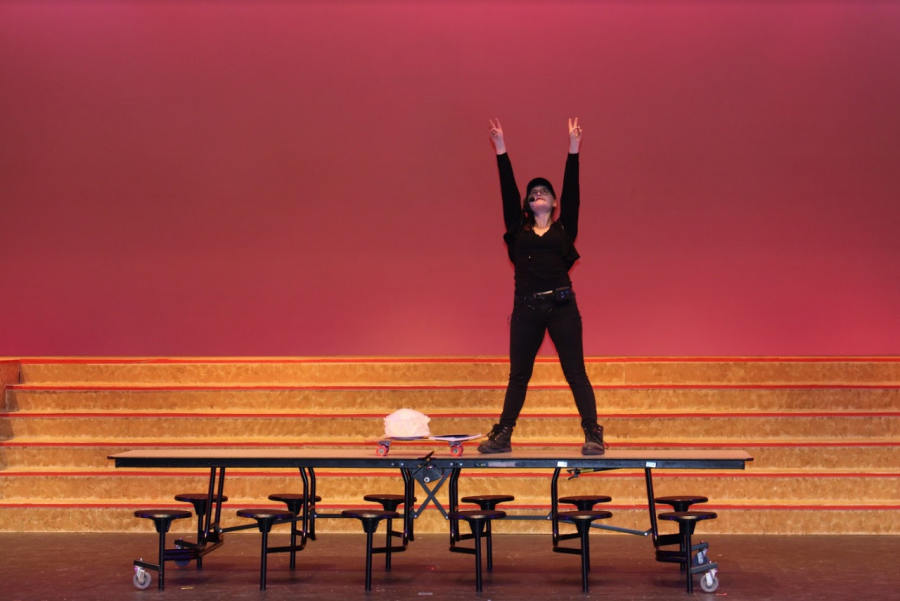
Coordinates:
<point>162,529</point>
<point>476,530</point>
<point>687,529</point>
<point>387,545</point>
<point>264,526</point>
<point>200,520</point>
<point>490,549</point>
<point>369,534</point>
<point>585,529</point>
<point>293,563</point>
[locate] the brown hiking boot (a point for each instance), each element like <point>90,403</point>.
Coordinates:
<point>593,440</point>
<point>499,440</point>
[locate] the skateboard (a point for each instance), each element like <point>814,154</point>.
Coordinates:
<point>454,440</point>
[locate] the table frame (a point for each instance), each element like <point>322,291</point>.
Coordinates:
<point>431,470</point>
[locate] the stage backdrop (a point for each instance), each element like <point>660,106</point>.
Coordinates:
<point>316,178</point>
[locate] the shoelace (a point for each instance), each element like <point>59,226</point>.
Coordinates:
<point>596,435</point>
<point>495,434</point>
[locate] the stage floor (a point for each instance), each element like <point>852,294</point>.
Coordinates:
<point>97,567</point>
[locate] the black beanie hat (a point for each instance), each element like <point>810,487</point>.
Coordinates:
<point>539,181</point>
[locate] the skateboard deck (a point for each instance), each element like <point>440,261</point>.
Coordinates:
<point>455,441</point>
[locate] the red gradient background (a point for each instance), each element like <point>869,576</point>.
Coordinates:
<point>303,178</point>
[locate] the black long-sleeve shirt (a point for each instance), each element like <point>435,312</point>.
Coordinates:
<point>541,262</point>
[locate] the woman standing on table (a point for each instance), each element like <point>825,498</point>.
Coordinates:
<point>543,251</point>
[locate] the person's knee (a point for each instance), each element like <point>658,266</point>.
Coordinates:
<point>520,378</point>
<point>577,377</point>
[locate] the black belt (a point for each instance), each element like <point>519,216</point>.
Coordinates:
<point>548,295</point>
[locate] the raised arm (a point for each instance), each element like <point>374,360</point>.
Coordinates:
<point>574,136</point>
<point>512,203</point>
<point>570,198</point>
<point>497,136</point>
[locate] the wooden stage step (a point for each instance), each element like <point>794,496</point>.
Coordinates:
<point>844,454</point>
<point>443,399</point>
<point>348,426</point>
<point>530,487</point>
<point>372,371</point>
<point>824,432</point>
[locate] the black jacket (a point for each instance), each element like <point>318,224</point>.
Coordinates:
<point>569,200</point>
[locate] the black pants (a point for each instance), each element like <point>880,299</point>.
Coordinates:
<point>530,319</point>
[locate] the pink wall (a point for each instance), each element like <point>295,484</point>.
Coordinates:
<point>300,178</point>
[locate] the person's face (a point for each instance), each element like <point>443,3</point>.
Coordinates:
<point>541,201</point>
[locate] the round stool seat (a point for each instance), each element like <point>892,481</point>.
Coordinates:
<point>389,502</point>
<point>369,514</point>
<point>688,516</point>
<point>488,501</point>
<point>198,500</point>
<point>162,518</point>
<point>287,496</point>
<point>477,515</point>
<point>162,514</point>
<point>265,514</point>
<point>370,517</point>
<point>680,502</point>
<point>294,502</point>
<point>193,497</point>
<point>585,502</point>
<point>385,497</point>
<point>584,516</point>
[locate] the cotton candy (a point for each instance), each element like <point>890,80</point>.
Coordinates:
<point>406,423</point>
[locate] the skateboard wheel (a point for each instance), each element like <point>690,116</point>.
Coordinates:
<point>383,450</point>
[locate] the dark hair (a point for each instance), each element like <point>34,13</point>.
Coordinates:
<point>527,213</point>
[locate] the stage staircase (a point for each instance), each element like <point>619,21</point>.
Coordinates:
<point>824,434</point>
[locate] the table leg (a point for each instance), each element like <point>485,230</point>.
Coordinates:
<point>311,502</point>
<point>554,505</point>
<point>213,502</point>
<point>308,507</point>
<point>454,505</point>
<point>409,507</point>
<point>651,505</point>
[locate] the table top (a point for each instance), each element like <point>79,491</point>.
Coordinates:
<point>336,458</point>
